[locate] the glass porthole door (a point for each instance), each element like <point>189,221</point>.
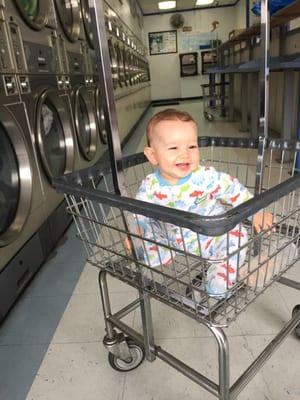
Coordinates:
<point>15,179</point>
<point>54,134</point>
<point>34,12</point>
<point>69,15</point>
<point>100,116</point>
<point>85,123</point>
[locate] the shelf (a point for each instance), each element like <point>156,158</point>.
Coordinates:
<point>229,69</point>
<point>282,16</point>
<point>291,65</point>
<point>275,64</point>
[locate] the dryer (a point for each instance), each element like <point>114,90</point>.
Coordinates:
<point>22,213</point>
<point>86,19</point>
<point>31,23</point>
<point>79,87</point>
<point>48,111</point>
<point>52,132</point>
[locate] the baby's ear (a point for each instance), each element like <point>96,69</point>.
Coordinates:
<point>151,156</point>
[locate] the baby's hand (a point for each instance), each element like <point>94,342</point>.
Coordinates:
<point>128,242</point>
<point>263,220</point>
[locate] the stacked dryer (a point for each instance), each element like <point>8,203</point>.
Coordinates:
<point>22,213</point>
<point>130,72</point>
<point>49,126</point>
<point>39,67</point>
<point>79,80</point>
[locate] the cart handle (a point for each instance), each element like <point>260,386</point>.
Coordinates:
<point>214,225</point>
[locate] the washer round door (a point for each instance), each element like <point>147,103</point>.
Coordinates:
<point>15,178</point>
<point>69,15</point>
<point>126,55</point>
<point>54,134</point>
<point>113,63</point>
<point>100,116</point>
<point>86,16</point>
<point>34,12</point>
<point>85,123</point>
<point>120,65</point>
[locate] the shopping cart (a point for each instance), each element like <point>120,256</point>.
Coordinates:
<point>106,221</point>
<point>215,99</point>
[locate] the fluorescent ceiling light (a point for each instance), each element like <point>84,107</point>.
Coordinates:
<point>204,2</point>
<point>166,5</point>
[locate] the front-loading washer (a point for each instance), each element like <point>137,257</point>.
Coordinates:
<point>85,118</point>
<point>22,213</point>
<point>32,22</point>
<point>77,81</point>
<point>52,133</point>
<point>70,29</point>
<point>48,111</point>
<point>86,20</point>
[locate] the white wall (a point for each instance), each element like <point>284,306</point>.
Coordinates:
<point>165,69</point>
<point>241,14</point>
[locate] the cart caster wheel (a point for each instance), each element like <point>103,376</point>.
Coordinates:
<point>295,310</point>
<point>137,354</point>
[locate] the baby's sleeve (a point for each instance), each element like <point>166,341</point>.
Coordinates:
<point>231,191</point>
<point>149,251</point>
<point>143,194</point>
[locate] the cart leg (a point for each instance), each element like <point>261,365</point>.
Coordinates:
<point>223,354</point>
<point>110,332</point>
<point>147,324</point>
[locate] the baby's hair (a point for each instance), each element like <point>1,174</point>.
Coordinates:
<point>170,114</point>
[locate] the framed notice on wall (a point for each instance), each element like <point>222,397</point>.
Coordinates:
<point>162,42</point>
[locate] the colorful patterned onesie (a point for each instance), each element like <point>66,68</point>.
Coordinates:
<point>204,192</point>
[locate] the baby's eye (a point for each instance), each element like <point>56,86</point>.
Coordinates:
<point>172,148</point>
<point>194,146</point>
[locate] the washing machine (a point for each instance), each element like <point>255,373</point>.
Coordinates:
<point>31,22</point>
<point>39,65</point>
<point>86,19</point>
<point>70,29</point>
<point>22,212</point>
<point>83,99</point>
<point>80,85</point>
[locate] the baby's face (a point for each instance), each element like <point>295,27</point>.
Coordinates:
<point>174,149</point>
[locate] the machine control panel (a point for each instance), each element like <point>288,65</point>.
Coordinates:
<point>10,85</point>
<point>24,84</point>
<point>56,53</point>
<point>63,55</point>
<point>17,46</point>
<point>6,63</point>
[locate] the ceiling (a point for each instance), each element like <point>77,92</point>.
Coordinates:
<point>151,7</point>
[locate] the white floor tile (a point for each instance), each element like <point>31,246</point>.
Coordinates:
<point>266,315</point>
<point>88,282</point>
<point>160,382</point>
<point>76,371</point>
<point>83,319</point>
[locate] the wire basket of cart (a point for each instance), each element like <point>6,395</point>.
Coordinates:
<point>106,222</point>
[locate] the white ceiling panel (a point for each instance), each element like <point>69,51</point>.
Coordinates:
<point>150,6</point>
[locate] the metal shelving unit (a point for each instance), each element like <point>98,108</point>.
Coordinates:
<point>288,64</point>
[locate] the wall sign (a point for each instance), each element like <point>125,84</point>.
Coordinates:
<point>162,42</point>
<point>192,41</point>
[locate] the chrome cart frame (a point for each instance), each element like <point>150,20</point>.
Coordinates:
<point>104,221</point>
